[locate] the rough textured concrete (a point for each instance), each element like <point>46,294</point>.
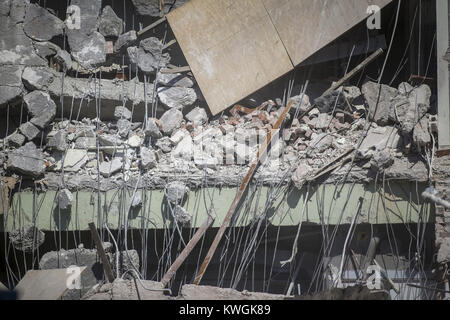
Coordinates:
<point>27,238</point>
<point>193,292</point>
<point>27,160</point>
<point>40,24</point>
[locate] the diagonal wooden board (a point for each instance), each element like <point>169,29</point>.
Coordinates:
<point>43,284</point>
<point>235,48</point>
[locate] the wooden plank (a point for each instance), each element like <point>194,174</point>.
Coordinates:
<point>307,26</point>
<point>232,48</point>
<point>234,205</point>
<point>185,253</point>
<point>101,252</point>
<point>44,284</point>
<point>153,25</point>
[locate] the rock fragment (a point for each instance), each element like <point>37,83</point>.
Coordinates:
<point>177,97</point>
<point>29,131</point>
<point>110,24</point>
<point>176,192</point>
<point>379,99</point>
<point>125,40</point>
<point>148,158</point>
<point>27,160</point>
<point>421,134</point>
<point>27,239</point>
<point>170,121</point>
<point>40,24</point>
<point>182,217</point>
<point>41,107</point>
<point>122,113</point>
<point>65,199</point>
<point>107,169</point>
<point>198,116</point>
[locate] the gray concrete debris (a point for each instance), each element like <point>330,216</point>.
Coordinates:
<point>63,58</point>
<point>174,80</point>
<point>86,143</point>
<point>109,140</point>
<point>46,49</point>
<point>148,56</point>
<point>125,40</point>
<point>137,200</point>
<point>300,102</point>
<point>378,139</point>
<point>128,260</point>
<point>379,99</point>
<point>123,127</point>
<point>164,144</point>
<point>4,7</point>
<point>27,238</point>
<point>88,51</point>
<point>15,140</point>
<point>107,169</point>
<point>421,134</point>
<point>65,199</point>
<point>409,109</point>
<point>17,10</point>
<point>41,107</point>
<point>198,116</point>
<point>327,103</point>
<point>74,160</point>
<point>443,255</point>
<point>320,143</point>
<point>148,158</point>
<point>176,192</point>
<point>127,290</point>
<point>37,78</point>
<point>185,149</point>
<point>40,24</point>
<point>27,160</point>
<point>301,174</point>
<point>75,257</point>
<point>152,128</point>
<point>122,113</point>
<point>177,97</point>
<point>194,292</point>
<point>16,48</point>
<point>110,24</point>
<point>11,88</point>
<point>152,7</point>
<point>182,217</point>
<point>58,141</point>
<point>29,130</point>
<point>381,160</point>
<point>170,121</point>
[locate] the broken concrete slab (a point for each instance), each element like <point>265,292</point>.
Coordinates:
<point>15,140</point>
<point>88,51</point>
<point>122,113</point>
<point>301,174</point>
<point>125,40</point>
<point>110,25</point>
<point>29,130</point>
<point>164,144</point>
<point>174,80</point>
<point>41,107</point>
<point>195,292</point>
<point>148,57</point>
<point>40,24</point>
<point>37,78</point>
<point>11,88</point>
<point>176,192</point>
<point>152,128</point>
<point>27,160</point>
<point>421,134</point>
<point>46,49</point>
<point>58,141</point>
<point>177,97</point>
<point>63,58</point>
<point>379,99</point>
<point>378,139</point>
<point>170,121</point>
<point>128,261</point>
<point>184,149</point>
<point>182,217</point>
<point>27,238</point>
<point>74,160</point>
<point>152,7</point>
<point>123,127</point>
<point>107,169</point>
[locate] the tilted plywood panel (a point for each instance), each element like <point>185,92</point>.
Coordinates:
<point>306,26</point>
<point>232,48</point>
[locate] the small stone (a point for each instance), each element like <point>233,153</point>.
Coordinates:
<point>134,141</point>
<point>148,158</point>
<point>110,24</point>
<point>152,128</point>
<point>29,130</point>
<point>170,121</point>
<point>198,116</point>
<point>176,192</point>
<point>122,113</point>
<point>107,169</point>
<point>58,141</point>
<point>65,199</point>
<point>164,144</point>
<point>125,40</point>
<point>123,127</point>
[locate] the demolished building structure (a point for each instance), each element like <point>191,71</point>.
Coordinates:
<point>103,121</point>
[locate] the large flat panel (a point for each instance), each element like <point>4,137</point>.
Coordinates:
<point>232,48</point>
<point>305,26</point>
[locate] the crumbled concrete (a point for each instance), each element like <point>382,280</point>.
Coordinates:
<point>74,160</point>
<point>174,80</point>
<point>194,292</point>
<point>198,116</point>
<point>164,144</point>
<point>125,40</point>
<point>152,128</point>
<point>37,78</point>
<point>46,49</point>
<point>177,97</point>
<point>107,169</point>
<point>148,158</point>
<point>128,260</point>
<point>27,238</point>
<point>41,107</point>
<point>40,24</point>
<point>421,135</point>
<point>65,199</point>
<point>63,58</point>
<point>124,127</point>
<point>170,121</point>
<point>148,56</point>
<point>379,99</point>
<point>58,141</point>
<point>301,174</point>
<point>122,113</point>
<point>89,51</point>
<point>152,7</point>
<point>176,192</point>
<point>128,290</point>
<point>134,141</point>
<point>29,130</point>
<point>15,140</point>
<point>182,217</point>
<point>27,160</point>
<point>11,88</point>
<point>110,24</point>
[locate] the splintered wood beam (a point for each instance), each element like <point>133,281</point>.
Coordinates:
<point>101,252</point>
<point>153,25</point>
<point>239,194</point>
<point>354,72</point>
<point>187,250</point>
<point>168,44</point>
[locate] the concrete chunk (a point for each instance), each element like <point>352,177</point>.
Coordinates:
<point>40,24</point>
<point>27,160</point>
